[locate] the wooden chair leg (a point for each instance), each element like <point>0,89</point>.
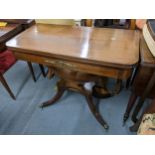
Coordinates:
<point>42,70</point>
<point>128,82</point>
<point>31,70</point>
<point>2,79</point>
<point>140,103</point>
<point>134,75</point>
<point>149,110</point>
<point>130,105</point>
<point>135,127</point>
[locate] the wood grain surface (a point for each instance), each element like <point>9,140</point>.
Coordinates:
<point>104,46</point>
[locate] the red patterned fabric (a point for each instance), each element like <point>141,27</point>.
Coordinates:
<point>7,59</point>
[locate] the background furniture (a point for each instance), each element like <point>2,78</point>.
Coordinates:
<point>8,32</point>
<point>78,57</point>
<point>56,21</point>
<point>110,23</point>
<point>7,60</point>
<point>24,24</point>
<point>147,123</point>
<point>143,76</point>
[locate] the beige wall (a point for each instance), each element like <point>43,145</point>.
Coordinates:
<point>56,21</point>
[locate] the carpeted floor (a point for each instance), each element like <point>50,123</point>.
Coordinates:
<point>70,115</point>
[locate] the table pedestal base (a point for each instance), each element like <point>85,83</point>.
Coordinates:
<point>75,81</point>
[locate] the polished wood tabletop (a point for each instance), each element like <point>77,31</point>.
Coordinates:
<point>100,45</point>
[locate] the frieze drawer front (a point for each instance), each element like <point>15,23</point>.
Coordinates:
<point>76,66</point>
<point>61,64</point>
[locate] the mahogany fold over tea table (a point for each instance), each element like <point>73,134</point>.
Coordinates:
<point>78,55</point>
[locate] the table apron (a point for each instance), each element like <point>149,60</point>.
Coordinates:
<point>99,70</point>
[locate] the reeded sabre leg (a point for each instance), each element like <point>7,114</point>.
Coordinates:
<point>95,111</point>
<point>58,95</point>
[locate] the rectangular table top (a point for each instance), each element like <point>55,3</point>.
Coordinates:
<point>109,46</point>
